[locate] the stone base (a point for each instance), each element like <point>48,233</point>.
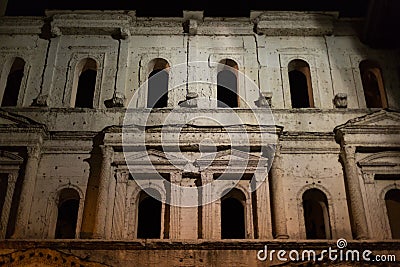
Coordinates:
<point>179,253</point>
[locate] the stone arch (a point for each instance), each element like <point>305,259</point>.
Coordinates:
<point>157,83</point>
<point>132,219</point>
<point>233,215</point>
<point>14,81</point>
<point>373,85</point>
<point>390,197</point>
<point>301,91</point>
<point>316,214</point>
<point>64,193</point>
<point>84,83</point>
<point>149,216</point>
<point>227,84</point>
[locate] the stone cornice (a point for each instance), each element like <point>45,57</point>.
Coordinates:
<point>21,25</point>
<point>122,23</point>
<point>282,23</point>
<point>385,123</point>
<point>146,244</point>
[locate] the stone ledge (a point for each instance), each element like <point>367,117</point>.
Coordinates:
<point>237,244</point>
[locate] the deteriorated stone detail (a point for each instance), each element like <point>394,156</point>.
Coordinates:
<point>44,257</point>
<point>53,151</point>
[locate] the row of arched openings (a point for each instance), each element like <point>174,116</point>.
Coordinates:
<point>301,91</point>
<point>233,214</point>
<point>227,84</point>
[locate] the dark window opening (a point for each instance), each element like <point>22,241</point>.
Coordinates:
<point>316,215</point>
<point>374,92</point>
<point>298,89</point>
<point>392,199</point>
<point>86,88</point>
<point>149,217</point>
<point>14,80</point>
<point>3,190</point>
<point>67,219</point>
<point>300,84</point>
<point>227,89</point>
<point>233,215</point>
<point>158,89</point>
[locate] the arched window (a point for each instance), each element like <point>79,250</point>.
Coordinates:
<point>233,215</point>
<point>392,199</point>
<point>316,215</point>
<point>11,92</point>
<point>301,92</point>
<point>374,90</point>
<point>149,216</point>
<point>157,96</point>
<point>227,84</point>
<point>68,206</point>
<point>86,83</point>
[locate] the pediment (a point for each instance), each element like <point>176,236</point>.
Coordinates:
<point>151,156</point>
<point>384,119</point>
<point>10,158</point>
<point>8,119</point>
<point>231,156</point>
<point>387,158</point>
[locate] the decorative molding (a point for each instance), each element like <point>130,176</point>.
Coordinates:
<point>340,100</point>
<point>280,23</point>
<point>44,257</point>
<point>90,23</point>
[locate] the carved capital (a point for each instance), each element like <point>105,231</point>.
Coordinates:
<point>206,178</point>
<point>348,153</point>
<point>125,33</point>
<point>106,151</point>
<point>190,26</point>
<point>55,32</point>
<point>176,177</point>
<point>12,176</point>
<point>368,178</point>
<point>122,176</point>
<point>33,151</point>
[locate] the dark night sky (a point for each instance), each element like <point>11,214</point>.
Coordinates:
<point>347,8</point>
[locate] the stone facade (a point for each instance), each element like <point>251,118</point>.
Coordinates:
<point>341,145</point>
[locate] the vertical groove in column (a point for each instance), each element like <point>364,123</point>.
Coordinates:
<point>12,178</point>
<point>26,197</point>
<point>101,205</point>
<point>278,200</point>
<point>359,221</point>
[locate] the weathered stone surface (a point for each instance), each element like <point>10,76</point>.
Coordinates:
<point>52,151</point>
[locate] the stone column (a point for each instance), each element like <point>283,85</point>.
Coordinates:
<point>263,207</point>
<point>174,208</point>
<point>118,98</point>
<point>102,203</point>
<point>12,178</point>
<point>27,191</point>
<point>123,61</point>
<point>188,221</point>
<point>359,221</point>
<point>119,205</point>
<point>278,199</point>
<point>3,7</point>
<point>49,72</point>
<point>209,220</point>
